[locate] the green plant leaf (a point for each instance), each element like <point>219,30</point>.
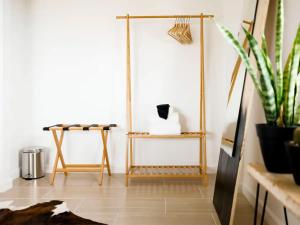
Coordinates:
<point>264,45</point>
<point>286,73</point>
<point>296,103</point>
<point>297,115</point>
<point>242,53</point>
<point>286,81</point>
<point>290,101</point>
<point>278,49</point>
<point>269,66</point>
<point>268,92</point>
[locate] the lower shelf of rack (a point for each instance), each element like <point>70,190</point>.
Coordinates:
<point>144,135</point>
<point>171,171</point>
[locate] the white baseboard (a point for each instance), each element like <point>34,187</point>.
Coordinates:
<point>270,216</point>
<point>15,174</point>
<point>6,184</point>
<point>212,170</point>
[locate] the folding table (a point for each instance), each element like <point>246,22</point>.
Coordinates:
<point>281,186</point>
<point>79,167</point>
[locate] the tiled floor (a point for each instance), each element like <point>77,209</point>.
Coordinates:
<point>155,202</point>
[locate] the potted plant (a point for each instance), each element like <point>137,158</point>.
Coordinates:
<point>293,152</point>
<point>278,90</point>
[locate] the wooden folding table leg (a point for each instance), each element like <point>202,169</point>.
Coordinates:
<point>104,156</point>
<point>106,153</point>
<point>54,169</point>
<point>56,159</point>
<point>59,152</point>
<point>102,168</point>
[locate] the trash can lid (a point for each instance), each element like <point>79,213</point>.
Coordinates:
<point>33,149</point>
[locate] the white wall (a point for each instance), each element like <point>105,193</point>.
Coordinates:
<point>252,150</point>
<point>16,96</point>
<point>65,63</point>
<point>2,174</point>
<point>78,71</point>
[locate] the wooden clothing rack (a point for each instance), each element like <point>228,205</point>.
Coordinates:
<point>79,167</point>
<point>163,171</point>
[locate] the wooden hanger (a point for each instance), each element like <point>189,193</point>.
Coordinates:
<point>186,34</point>
<point>181,31</point>
<point>172,31</point>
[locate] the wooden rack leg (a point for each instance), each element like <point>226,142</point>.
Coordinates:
<point>201,156</point>
<point>58,148</point>
<point>126,163</point>
<point>205,157</point>
<point>131,152</point>
<point>104,156</point>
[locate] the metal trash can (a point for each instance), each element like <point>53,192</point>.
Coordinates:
<point>32,163</point>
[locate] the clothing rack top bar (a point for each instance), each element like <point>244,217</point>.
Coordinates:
<point>167,17</point>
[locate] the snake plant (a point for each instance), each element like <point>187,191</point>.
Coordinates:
<point>278,88</point>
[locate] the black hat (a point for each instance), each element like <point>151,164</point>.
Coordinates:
<point>163,110</point>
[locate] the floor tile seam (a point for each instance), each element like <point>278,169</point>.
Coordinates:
<point>79,204</point>
<point>188,212</point>
<point>18,198</point>
<point>33,200</point>
<point>189,198</point>
<point>213,217</point>
<point>85,199</point>
<point>176,196</point>
<point>62,197</point>
<point>116,217</point>
<point>94,188</point>
<point>149,198</point>
<point>49,191</point>
<point>29,187</point>
<point>136,207</point>
<point>75,185</point>
<point>46,196</point>
<point>140,207</point>
<point>165,206</point>
<point>202,194</point>
<point>104,198</point>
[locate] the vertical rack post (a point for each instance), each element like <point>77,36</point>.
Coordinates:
<point>203,160</point>
<point>129,108</point>
<point>129,101</point>
<point>201,105</point>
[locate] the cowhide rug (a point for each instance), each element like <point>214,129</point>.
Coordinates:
<point>47,213</point>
